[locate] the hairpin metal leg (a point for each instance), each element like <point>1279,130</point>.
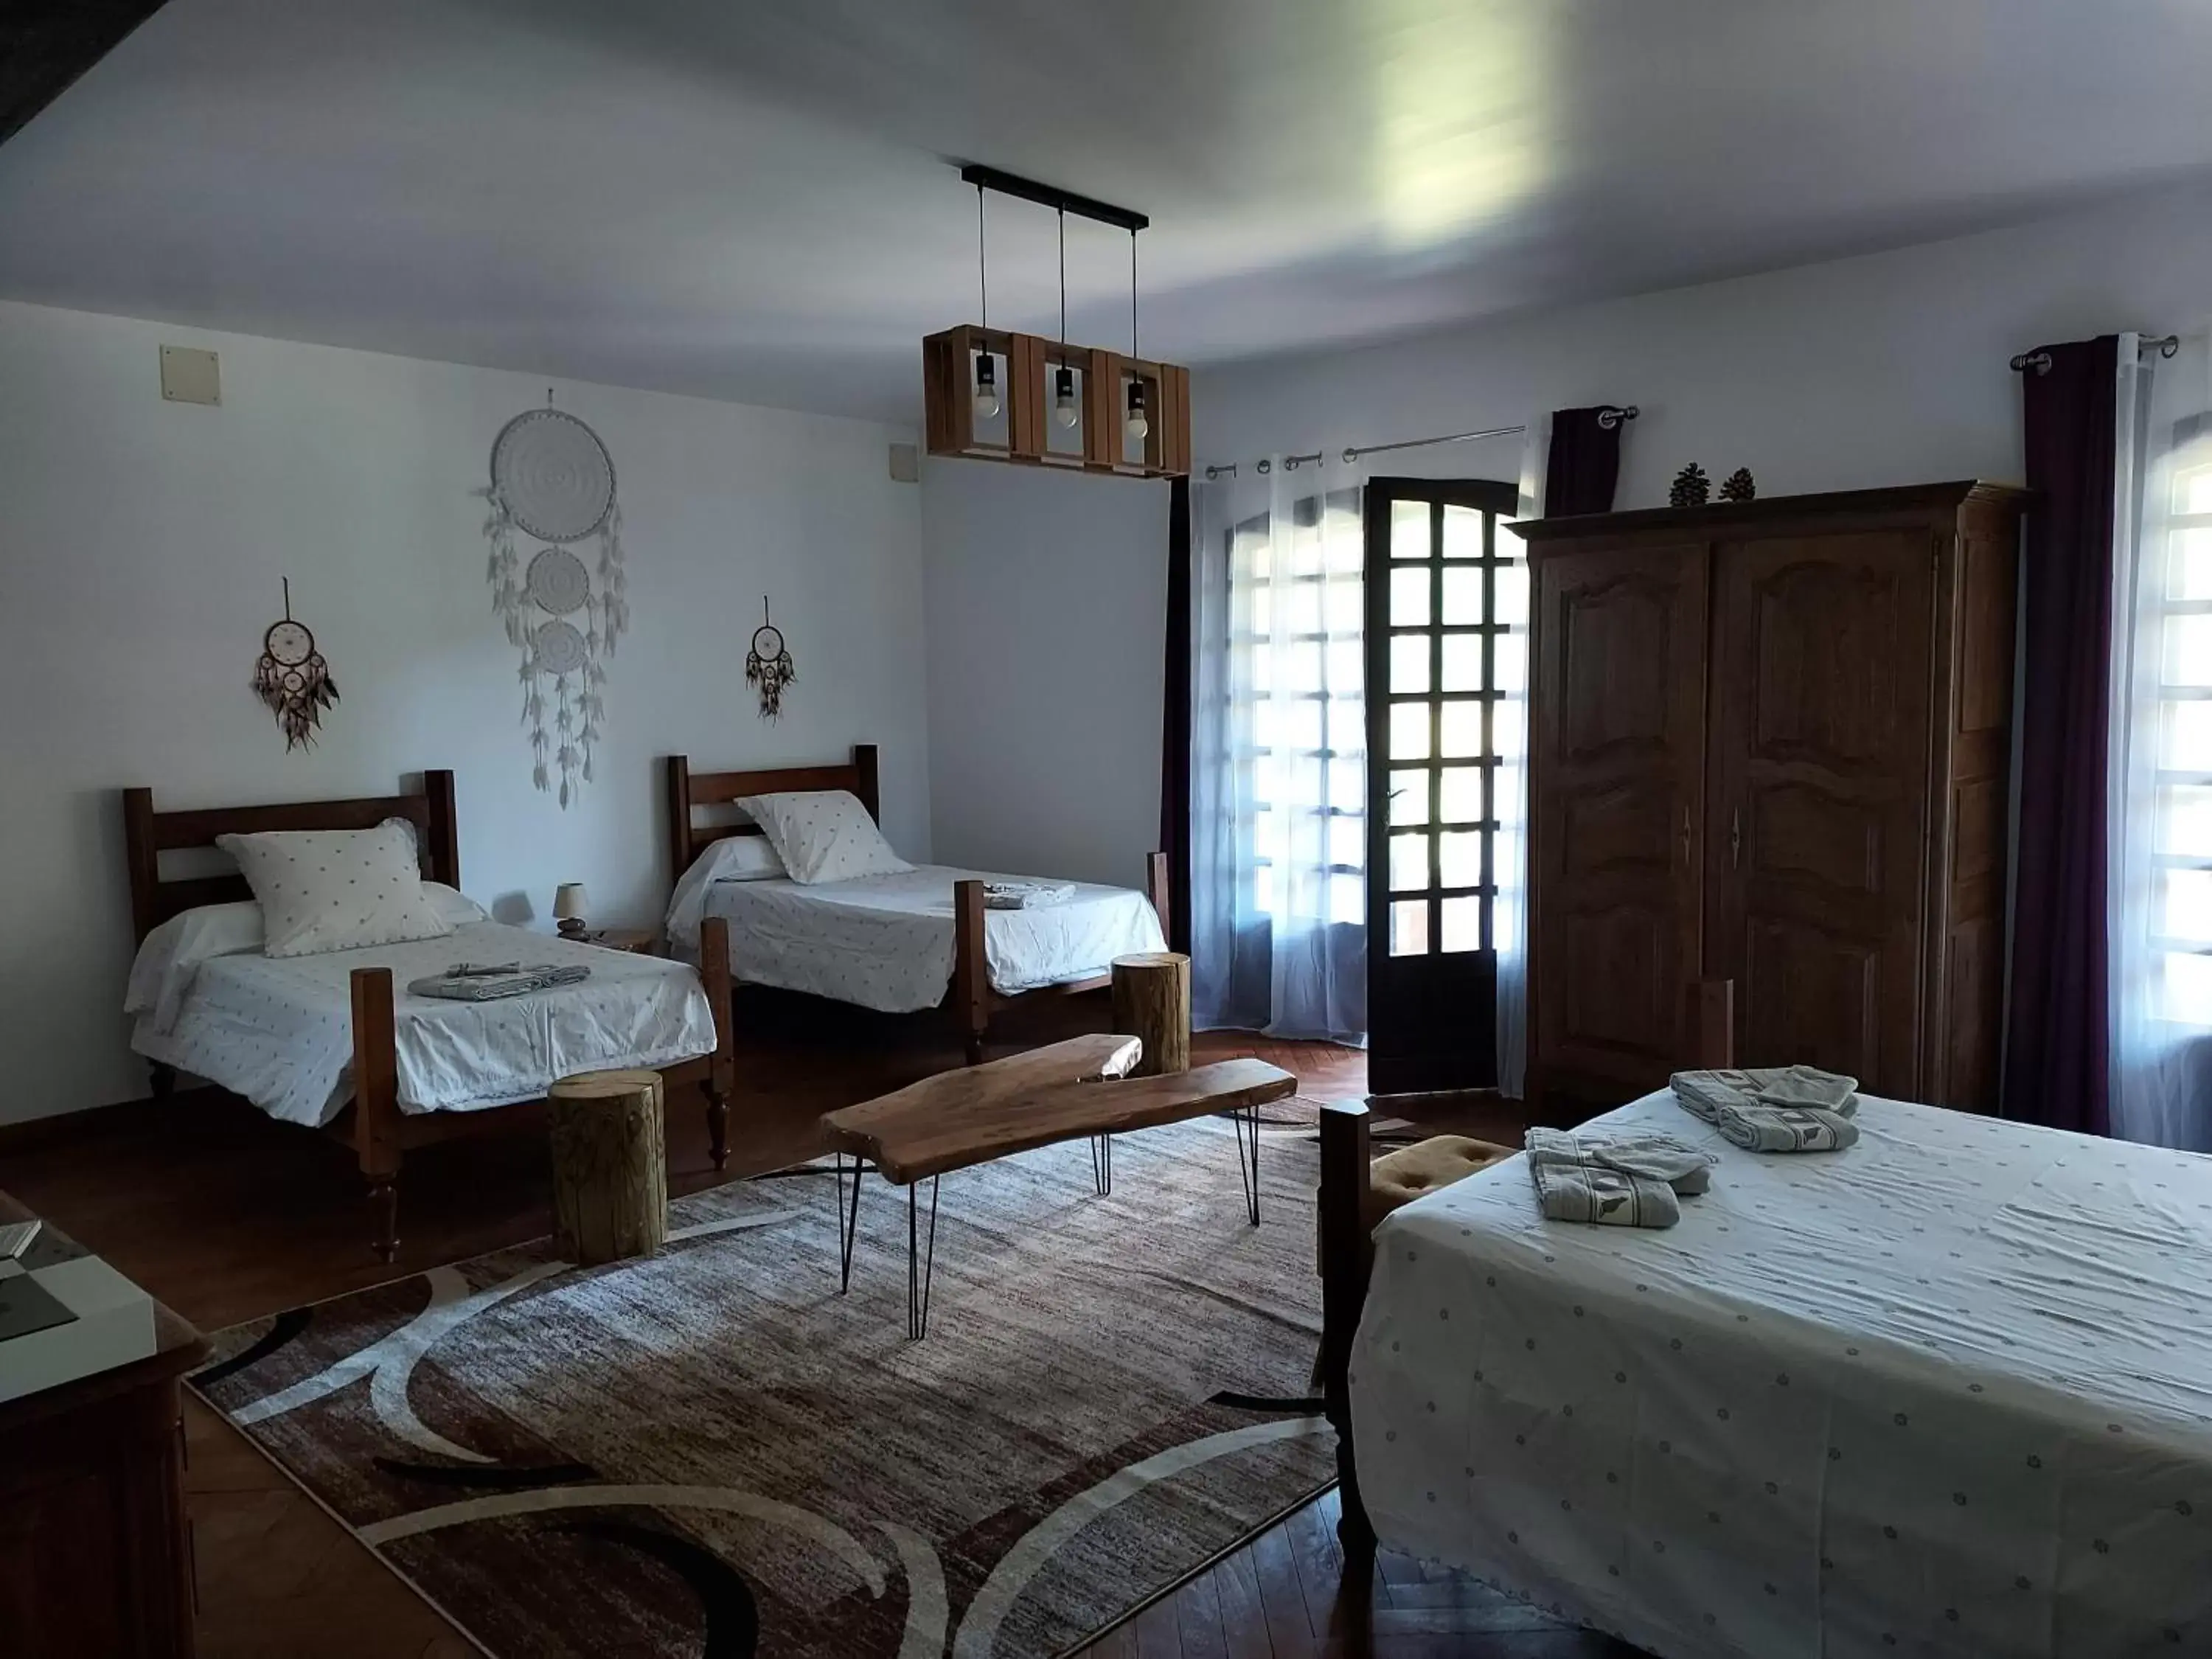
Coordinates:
<point>1102,1164</point>
<point>920,1269</point>
<point>848,1222</point>
<point>1247,1160</point>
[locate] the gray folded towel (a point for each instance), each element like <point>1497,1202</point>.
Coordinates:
<point>1025,895</point>
<point>1789,1108</point>
<point>468,982</point>
<point>1626,1181</point>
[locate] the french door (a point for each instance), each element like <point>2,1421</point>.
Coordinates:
<point>1446,658</point>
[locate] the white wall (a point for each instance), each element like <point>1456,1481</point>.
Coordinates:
<point>1886,369</point>
<point>141,545</point>
<point>1047,596</point>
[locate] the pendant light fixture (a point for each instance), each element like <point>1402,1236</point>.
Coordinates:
<point>1064,411</point>
<point>1037,401</point>
<point>1136,426</point>
<point>987,362</point>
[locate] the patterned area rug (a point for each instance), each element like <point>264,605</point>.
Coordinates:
<point>713,1453</point>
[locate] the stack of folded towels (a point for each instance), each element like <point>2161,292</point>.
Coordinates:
<point>1787,1108</point>
<point>473,981</point>
<point>1025,895</point>
<point>1623,1180</point>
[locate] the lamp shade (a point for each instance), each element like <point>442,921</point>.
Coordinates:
<point>570,902</point>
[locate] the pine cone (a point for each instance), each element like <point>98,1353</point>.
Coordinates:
<point>1692,487</point>
<point>1739,486</point>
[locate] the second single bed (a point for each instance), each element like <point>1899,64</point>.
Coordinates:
<point>899,941</point>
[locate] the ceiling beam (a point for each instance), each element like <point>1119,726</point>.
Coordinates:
<point>1051,196</point>
<point>45,44</point>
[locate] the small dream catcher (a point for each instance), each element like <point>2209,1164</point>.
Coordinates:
<point>553,481</point>
<point>292,679</point>
<point>767,665</point>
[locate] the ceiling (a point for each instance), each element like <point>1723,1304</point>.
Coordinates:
<point>754,201</point>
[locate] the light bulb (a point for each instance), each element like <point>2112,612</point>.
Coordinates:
<point>1063,397</point>
<point>1137,426</point>
<point>987,387</point>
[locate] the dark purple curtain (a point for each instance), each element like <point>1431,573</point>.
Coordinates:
<point>1174,721</point>
<point>1583,463</point>
<point>2058,1045</point>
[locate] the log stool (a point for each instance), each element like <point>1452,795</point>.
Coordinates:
<point>1151,1000</point>
<point>610,1166</point>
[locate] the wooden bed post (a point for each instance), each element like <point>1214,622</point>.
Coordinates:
<point>441,846</point>
<point>680,817</point>
<point>1710,1019</point>
<point>721,1069</point>
<point>1347,1255</point>
<point>1155,889</point>
<point>971,973</point>
<point>869,791</point>
<point>376,1104</point>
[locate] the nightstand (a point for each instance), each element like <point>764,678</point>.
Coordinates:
<point>638,941</point>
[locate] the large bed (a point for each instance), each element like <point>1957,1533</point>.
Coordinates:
<point>1947,1392</point>
<point>919,939</point>
<point>333,1040</point>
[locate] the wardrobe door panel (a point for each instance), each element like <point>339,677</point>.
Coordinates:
<point>1617,777</point>
<point>1817,792</point>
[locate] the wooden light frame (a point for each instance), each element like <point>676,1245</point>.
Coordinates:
<point>948,412</point>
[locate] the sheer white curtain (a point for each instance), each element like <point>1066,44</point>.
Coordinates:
<point>1510,718</point>
<point>1279,753</point>
<point>2160,859</point>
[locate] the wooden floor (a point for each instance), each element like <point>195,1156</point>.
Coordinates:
<point>226,1216</point>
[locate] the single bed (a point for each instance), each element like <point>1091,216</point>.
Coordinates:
<point>898,943</point>
<point>335,1041</point>
<point>1948,1392</point>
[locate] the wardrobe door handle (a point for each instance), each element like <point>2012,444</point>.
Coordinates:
<point>1735,839</point>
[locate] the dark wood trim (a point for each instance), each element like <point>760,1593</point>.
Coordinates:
<point>1346,1249</point>
<point>1910,502</point>
<point>45,49</point>
<point>148,834</point>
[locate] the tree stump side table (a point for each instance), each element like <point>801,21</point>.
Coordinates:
<point>1151,1000</point>
<point>610,1166</point>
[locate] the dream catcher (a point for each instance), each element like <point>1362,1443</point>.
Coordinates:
<point>293,679</point>
<point>553,481</point>
<point>767,665</point>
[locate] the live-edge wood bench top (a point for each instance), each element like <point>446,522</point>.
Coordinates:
<point>1063,1092</point>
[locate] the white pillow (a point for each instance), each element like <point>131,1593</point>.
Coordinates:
<point>824,834</point>
<point>336,889</point>
<point>733,858</point>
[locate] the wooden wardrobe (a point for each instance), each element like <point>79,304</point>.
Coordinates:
<point>1770,743</point>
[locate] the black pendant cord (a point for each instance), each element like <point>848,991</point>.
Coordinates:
<point>1133,294</point>
<point>983,261</point>
<point>1063,279</point>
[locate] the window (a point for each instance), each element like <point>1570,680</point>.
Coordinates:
<point>2174,650</point>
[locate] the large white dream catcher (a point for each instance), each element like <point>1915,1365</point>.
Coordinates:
<point>553,481</point>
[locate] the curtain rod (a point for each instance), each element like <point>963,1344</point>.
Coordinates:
<point>2164,344</point>
<point>1608,417</point>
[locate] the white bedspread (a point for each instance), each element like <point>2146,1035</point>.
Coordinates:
<point>886,942</point>
<point>1948,1392</point>
<point>280,1033</point>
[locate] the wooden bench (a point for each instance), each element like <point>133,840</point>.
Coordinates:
<point>1065,1091</point>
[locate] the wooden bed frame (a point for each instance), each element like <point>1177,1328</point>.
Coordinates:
<point>969,999</point>
<point>373,1124</point>
<point>1347,1249</point>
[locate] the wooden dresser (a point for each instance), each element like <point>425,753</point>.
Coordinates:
<point>94,1554</point>
<point>1770,743</point>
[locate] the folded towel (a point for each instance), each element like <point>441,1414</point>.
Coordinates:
<point>1626,1181</point>
<point>466,982</point>
<point>1793,1108</point>
<point>1025,895</point>
<point>1653,1157</point>
<point>1567,1192</point>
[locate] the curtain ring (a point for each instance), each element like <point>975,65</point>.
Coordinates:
<point>1265,466</point>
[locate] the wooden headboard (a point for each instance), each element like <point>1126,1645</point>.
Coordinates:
<point>148,834</point>
<point>688,791</point>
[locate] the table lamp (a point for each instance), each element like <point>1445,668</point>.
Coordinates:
<point>569,903</point>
